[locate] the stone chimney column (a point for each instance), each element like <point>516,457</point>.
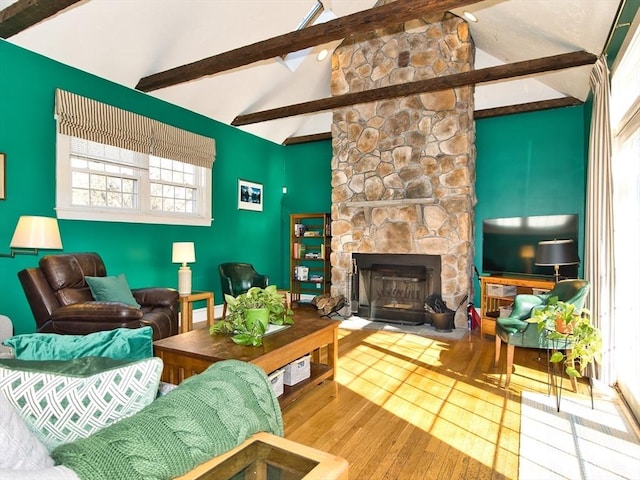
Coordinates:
<point>403,169</point>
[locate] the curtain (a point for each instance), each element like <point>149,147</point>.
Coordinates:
<point>86,118</point>
<point>599,251</point>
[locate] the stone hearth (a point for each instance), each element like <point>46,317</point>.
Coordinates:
<point>403,169</point>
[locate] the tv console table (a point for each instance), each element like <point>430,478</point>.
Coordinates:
<point>492,302</point>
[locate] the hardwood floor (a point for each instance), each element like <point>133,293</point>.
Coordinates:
<point>409,407</point>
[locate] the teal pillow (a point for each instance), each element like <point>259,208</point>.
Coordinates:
<point>121,343</point>
<point>112,289</point>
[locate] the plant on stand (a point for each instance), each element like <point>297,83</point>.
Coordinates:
<point>571,327</point>
<point>250,314</point>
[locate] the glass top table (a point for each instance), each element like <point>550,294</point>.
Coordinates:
<point>268,457</point>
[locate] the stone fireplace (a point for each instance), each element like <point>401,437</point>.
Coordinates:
<point>403,169</point>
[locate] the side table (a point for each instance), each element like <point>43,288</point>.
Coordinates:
<point>186,309</point>
<point>263,456</point>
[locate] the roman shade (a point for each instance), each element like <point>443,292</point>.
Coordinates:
<point>92,120</point>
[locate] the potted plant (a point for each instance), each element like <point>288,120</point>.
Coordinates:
<point>565,323</point>
<point>249,315</point>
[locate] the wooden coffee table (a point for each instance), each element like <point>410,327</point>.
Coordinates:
<point>192,352</point>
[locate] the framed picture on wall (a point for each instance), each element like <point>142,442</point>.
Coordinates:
<point>250,196</point>
<point>3,175</point>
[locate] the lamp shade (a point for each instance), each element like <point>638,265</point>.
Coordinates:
<point>556,252</point>
<point>36,232</point>
<point>183,252</point>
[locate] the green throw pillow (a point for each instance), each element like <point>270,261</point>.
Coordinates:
<point>112,289</point>
<point>63,401</point>
<point>120,343</point>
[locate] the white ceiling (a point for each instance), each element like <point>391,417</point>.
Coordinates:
<point>125,40</point>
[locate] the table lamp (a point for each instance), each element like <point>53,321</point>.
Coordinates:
<point>183,252</point>
<point>553,253</point>
<point>33,233</point>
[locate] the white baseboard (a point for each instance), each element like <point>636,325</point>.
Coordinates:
<point>200,315</point>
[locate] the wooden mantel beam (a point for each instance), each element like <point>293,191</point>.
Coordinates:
<point>24,13</point>
<point>473,77</point>
<point>357,23</point>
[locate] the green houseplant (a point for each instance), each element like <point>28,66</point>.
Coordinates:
<point>249,315</point>
<point>565,323</point>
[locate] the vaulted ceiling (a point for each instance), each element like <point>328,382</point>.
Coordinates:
<point>131,41</point>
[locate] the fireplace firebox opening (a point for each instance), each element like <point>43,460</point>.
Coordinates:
<point>393,287</point>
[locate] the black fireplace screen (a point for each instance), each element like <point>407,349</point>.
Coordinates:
<point>395,293</point>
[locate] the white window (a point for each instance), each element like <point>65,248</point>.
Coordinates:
<point>625,115</point>
<point>102,182</point>
<point>106,169</point>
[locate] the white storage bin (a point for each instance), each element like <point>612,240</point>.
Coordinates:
<point>297,371</point>
<point>539,291</point>
<point>505,311</point>
<point>277,381</point>
<point>497,290</point>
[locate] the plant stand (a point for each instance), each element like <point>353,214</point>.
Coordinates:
<point>555,371</point>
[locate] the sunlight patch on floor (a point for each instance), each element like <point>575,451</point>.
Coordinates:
<point>404,376</point>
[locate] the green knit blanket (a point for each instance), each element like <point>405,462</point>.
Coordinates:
<point>207,415</point>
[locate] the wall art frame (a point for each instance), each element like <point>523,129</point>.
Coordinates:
<point>3,176</point>
<point>250,195</point>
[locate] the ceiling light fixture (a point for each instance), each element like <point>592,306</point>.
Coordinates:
<point>470,16</point>
<point>324,53</point>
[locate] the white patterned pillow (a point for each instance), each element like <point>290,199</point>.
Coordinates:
<point>62,401</point>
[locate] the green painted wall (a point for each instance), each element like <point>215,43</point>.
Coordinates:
<point>143,252</point>
<point>527,164</point>
<point>307,177</point>
<point>530,164</point>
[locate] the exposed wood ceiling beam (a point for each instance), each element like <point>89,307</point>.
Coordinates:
<point>527,107</point>
<point>316,137</point>
<point>357,23</point>
<point>24,13</point>
<point>473,77</point>
<point>484,113</point>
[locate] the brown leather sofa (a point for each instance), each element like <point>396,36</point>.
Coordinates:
<point>61,300</point>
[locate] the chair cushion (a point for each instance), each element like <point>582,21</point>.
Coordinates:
<point>112,289</point>
<point>120,343</point>
<point>62,401</point>
<point>65,275</point>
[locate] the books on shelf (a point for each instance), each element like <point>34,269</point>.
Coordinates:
<point>299,250</point>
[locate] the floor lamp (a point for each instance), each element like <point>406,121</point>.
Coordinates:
<point>553,253</point>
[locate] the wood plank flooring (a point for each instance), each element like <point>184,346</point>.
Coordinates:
<point>409,407</point>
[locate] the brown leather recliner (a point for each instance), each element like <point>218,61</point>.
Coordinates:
<point>61,300</point>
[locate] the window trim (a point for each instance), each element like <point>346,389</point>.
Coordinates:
<point>66,211</point>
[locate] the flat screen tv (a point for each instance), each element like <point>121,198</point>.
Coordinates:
<point>509,244</point>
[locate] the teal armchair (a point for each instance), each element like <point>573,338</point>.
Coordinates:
<point>237,278</point>
<point>515,331</point>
